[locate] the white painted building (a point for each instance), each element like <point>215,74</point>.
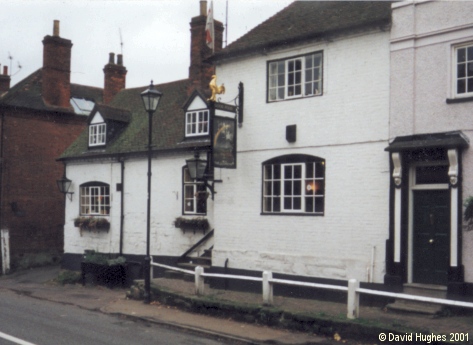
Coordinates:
<point>430,127</point>
<point>309,195</point>
<point>331,223</point>
<point>343,126</point>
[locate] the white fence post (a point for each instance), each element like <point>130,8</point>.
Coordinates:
<point>5,250</point>
<point>353,304</point>
<point>267,288</point>
<point>199,281</point>
<point>151,275</point>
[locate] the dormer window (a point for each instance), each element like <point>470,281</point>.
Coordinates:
<point>97,134</point>
<point>197,116</point>
<point>197,123</point>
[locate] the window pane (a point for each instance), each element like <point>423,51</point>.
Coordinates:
<point>470,85</point>
<point>470,69</point>
<point>461,55</point>
<point>319,205</point>
<point>277,204</point>
<point>287,188</point>
<point>309,204</point>
<point>309,170</point>
<point>288,203</point>
<point>461,73</point>
<point>268,190</point>
<point>288,171</point>
<point>469,55</point>
<point>277,188</point>
<point>461,86</point>
<point>308,75</point>
<point>281,93</point>
<point>308,61</point>
<point>319,187</point>
<point>297,188</point>
<point>281,67</point>
<point>297,203</point>
<point>277,171</point>
<point>298,171</point>
<point>267,204</point>
<point>268,171</point>
<point>432,174</point>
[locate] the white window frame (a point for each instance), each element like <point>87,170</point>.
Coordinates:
<point>197,122</point>
<point>455,72</point>
<point>284,83</point>
<point>192,194</point>
<point>97,134</point>
<point>293,189</point>
<point>95,199</point>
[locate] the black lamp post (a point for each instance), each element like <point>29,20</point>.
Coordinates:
<point>150,99</point>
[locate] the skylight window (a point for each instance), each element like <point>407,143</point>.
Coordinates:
<point>82,106</point>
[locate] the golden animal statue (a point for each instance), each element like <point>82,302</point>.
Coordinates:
<point>216,90</point>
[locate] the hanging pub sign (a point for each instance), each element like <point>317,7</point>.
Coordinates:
<point>224,142</point>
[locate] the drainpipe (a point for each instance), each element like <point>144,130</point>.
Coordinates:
<point>122,203</point>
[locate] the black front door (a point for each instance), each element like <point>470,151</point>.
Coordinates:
<point>431,236</point>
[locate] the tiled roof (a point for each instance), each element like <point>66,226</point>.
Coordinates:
<point>168,124</point>
<point>27,94</point>
<point>112,113</point>
<point>309,20</point>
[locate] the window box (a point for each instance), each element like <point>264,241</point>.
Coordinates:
<point>194,224</point>
<point>92,223</point>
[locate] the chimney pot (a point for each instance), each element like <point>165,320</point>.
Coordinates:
<point>111,59</point>
<point>5,70</point>
<point>203,7</point>
<point>56,28</point>
<point>120,59</point>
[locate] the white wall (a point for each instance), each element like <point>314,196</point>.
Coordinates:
<point>166,205</point>
<point>423,36</point>
<point>348,127</point>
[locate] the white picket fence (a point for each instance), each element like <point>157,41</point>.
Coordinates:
<point>353,289</point>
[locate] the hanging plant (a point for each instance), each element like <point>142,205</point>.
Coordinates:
<point>92,223</point>
<point>199,223</point>
<point>468,214</point>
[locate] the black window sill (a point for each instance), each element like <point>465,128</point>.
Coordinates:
<point>459,100</point>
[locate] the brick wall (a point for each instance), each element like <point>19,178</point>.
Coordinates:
<point>32,207</point>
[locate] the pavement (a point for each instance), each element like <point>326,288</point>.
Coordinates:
<point>40,283</point>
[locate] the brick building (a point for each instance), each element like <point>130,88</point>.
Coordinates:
<point>39,118</point>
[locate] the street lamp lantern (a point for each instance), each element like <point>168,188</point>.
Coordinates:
<point>151,98</point>
<point>64,184</point>
<point>196,167</point>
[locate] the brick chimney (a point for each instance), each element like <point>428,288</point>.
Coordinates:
<point>56,89</point>
<point>201,72</point>
<point>4,80</point>
<point>115,77</point>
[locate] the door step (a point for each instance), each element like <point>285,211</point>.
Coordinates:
<point>425,290</point>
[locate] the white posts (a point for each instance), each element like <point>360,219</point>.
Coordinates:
<point>267,288</point>
<point>199,281</point>
<point>5,250</point>
<point>353,304</point>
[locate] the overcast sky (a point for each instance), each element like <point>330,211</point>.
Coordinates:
<point>155,34</point>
